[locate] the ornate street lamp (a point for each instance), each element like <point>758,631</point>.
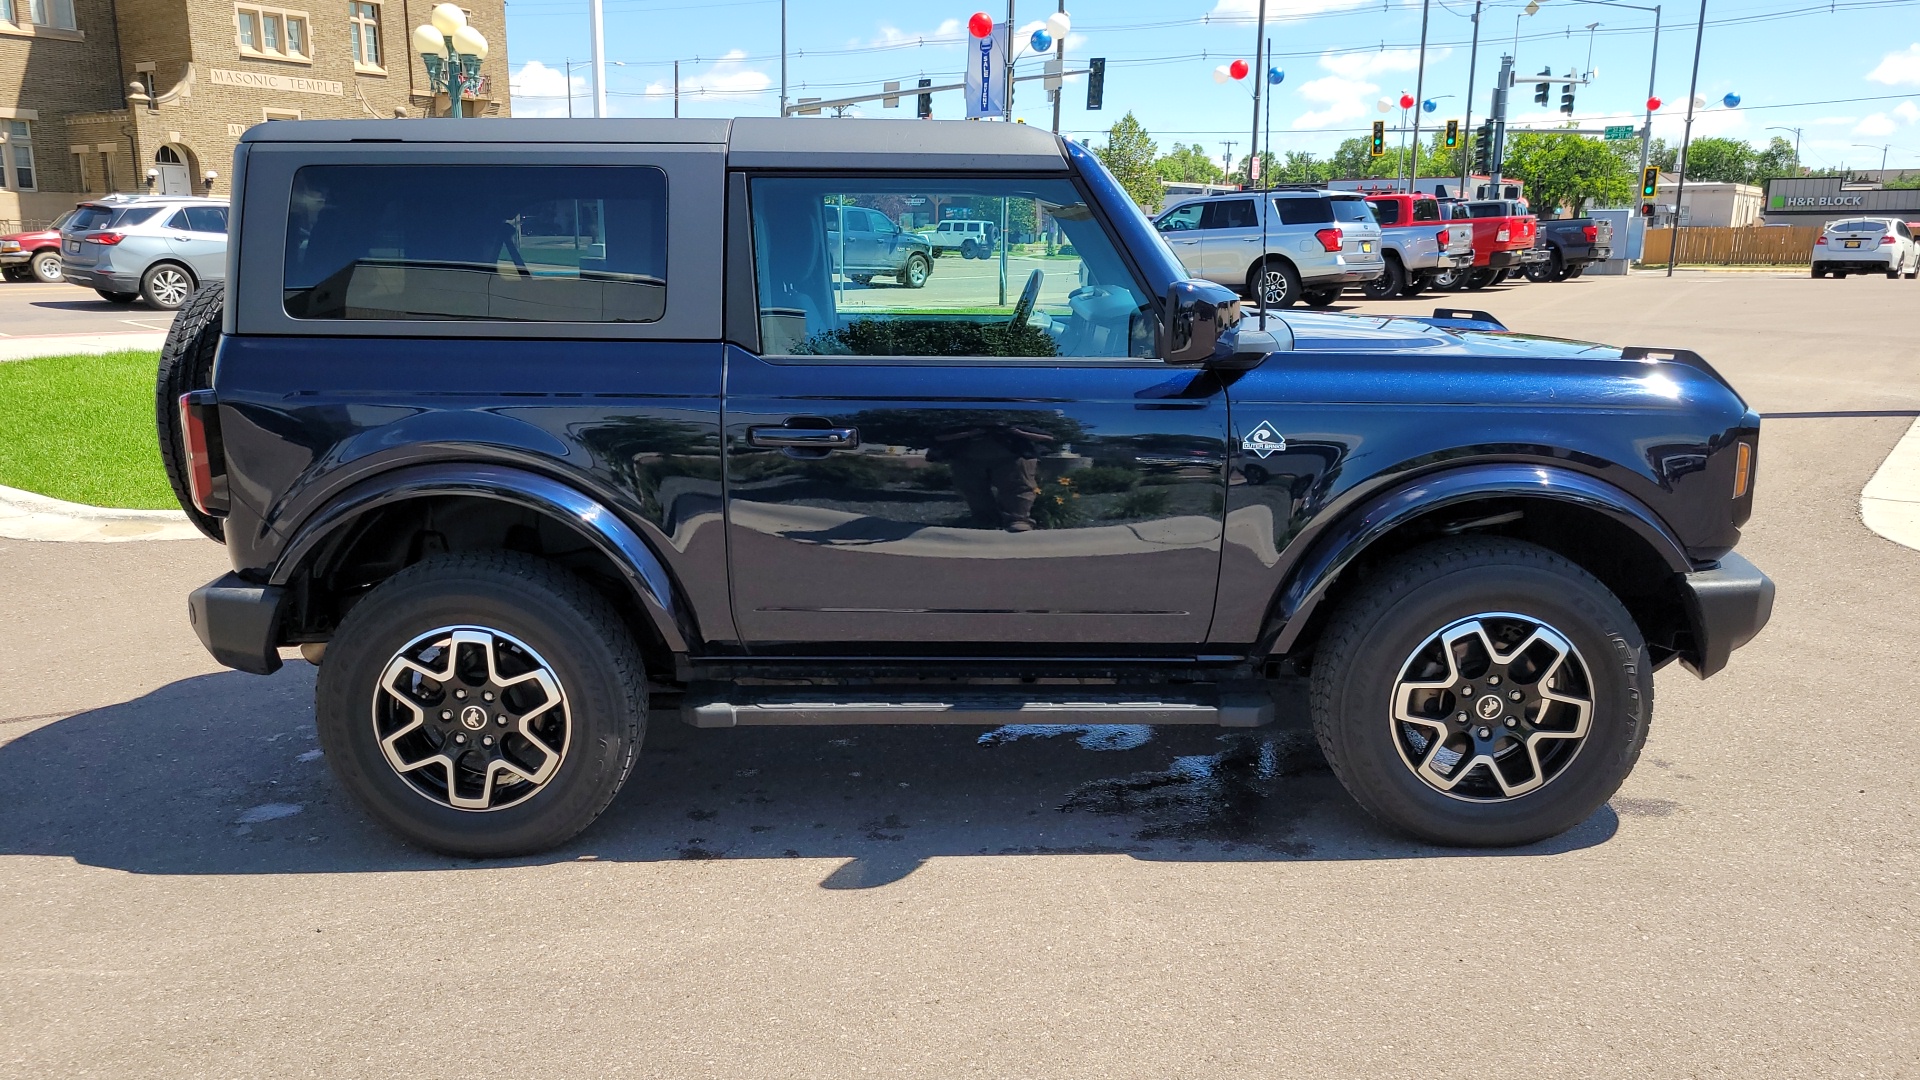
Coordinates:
<point>452,51</point>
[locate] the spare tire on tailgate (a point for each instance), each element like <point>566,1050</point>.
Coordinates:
<point>186,363</point>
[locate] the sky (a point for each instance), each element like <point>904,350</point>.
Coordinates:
<point>1844,72</point>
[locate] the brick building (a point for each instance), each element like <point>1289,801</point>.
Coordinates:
<point>99,96</point>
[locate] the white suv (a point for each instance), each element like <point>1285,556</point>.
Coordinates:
<point>1866,245</point>
<point>972,239</point>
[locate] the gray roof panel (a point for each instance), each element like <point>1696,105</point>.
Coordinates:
<point>765,142</point>
<point>493,129</point>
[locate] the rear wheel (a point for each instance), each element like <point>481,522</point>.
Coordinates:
<point>1274,283</point>
<point>482,704</point>
<point>969,249</point>
<point>1451,279</point>
<point>1549,269</point>
<point>861,279</point>
<point>1391,282</point>
<point>166,286</point>
<point>1819,273</point>
<point>1482,691</point>
<point>117,297</point>
<point>1321,297</point>
<point>914,276</point>
<point>1417,284</point>
<point>1480,278</point>
<point>186,363</point>
<point>1893,273</point>
<point>46,267</point>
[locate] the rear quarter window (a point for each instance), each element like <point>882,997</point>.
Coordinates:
<point>1304,211</point>
<point>133,215</point>
<point>1351,210</point>
<point>511,243</point>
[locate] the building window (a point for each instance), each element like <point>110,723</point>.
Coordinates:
<point>364,25</point>
<point>16,155</point>
<point>272,33</point>
<point>52,13</point>
<point>279,114</point>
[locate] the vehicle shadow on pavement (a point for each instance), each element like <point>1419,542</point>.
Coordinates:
<point>222,774</point>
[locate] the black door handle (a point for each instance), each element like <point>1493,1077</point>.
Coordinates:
<point>784,437</point>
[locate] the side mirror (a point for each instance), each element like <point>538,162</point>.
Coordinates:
<point>1203,326</point>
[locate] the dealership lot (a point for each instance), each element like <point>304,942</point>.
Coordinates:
<point>186,890</point>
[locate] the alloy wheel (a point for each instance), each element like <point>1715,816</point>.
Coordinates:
<point>1273,288</point>
<point>1492,707</point>
<point>169,287</point>
<point>471,718</point>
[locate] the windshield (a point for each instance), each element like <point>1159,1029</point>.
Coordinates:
<point>90,217</point>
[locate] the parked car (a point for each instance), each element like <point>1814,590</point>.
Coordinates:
<point>1282,246</point>
<point>1417,243</point>
<point>1569,246</point>
<point>863,243</point>
<point>33,255</point>
<point>972,239</point>
<point>156,248</point>
<point>1503,233</point>
<point>516,490</point>
<point>1879,245</point>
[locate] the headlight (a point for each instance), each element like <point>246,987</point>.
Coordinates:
<point>9,245</point>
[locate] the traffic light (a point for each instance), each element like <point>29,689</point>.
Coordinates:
<point>926,102</point>
<point>1541,89</point>
<point>1378,147</point>
<point>1650,182</point>
<point>1096,82</point>
<point>1453,134</point>
<point>1566,96</point>
<point>1483,149</point>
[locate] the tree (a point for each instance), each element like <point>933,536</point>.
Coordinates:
<point>1661,156</point>
<point>1301,167</point>
<point>1268,166</point>
<point>1776,160</point>
<point>1565,171</point>
<point>1130,154</point>
<point>1728,160</point>
<point>1189,164</point>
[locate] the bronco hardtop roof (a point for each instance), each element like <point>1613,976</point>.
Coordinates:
<point>761,142</point>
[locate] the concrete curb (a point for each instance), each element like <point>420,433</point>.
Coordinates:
<point>27,516</point>
<point>1890,503</point>
<point>29,348</point>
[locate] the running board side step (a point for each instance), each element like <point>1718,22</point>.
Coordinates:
<point>990,710</point>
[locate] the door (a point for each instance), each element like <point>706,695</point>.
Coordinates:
<point>1180,227</point>
<point>993,461</point>
<point>1229,241</point>
<point>198,235</point>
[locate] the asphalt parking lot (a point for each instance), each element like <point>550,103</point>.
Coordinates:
<point>31,309</point>
<point>186,892</point>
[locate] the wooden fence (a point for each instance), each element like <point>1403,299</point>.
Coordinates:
<point>1772,245</point>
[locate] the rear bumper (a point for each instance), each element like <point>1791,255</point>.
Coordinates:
<point>1865,264</point>
<point>239,622</point>
<point>1727,607</point>
<point>105,280</point>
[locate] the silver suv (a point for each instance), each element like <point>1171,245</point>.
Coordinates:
<point>157,248</point>
<point>1317,242</point>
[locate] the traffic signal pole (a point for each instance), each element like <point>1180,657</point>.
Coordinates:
<point>1499,148</point>
<point>1473,61</point>
<point>1419,94</point>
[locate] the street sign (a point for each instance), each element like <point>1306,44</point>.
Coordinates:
<point>1619,132</point>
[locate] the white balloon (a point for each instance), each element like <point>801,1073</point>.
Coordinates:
<point>1058,24</point>
<point>1384,105</point>
<point>1221,74</point>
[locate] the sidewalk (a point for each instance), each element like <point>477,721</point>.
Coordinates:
<point>26,348</point>
<point>1890,503</point>
<point>27,516</point>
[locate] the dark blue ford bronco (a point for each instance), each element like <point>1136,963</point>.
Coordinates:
<point>522,429</point>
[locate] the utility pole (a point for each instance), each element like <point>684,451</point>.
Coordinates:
<point>1060,61</point>
<point>1686,140</point>
<point>1010,52</point>
<point>1228,156</point>
<point>597,27</point>
<point>1259,82</point>
<point>1653,68</point>
<point>1419,97</point>
<point>676,89</point>
<point>1473,62</point>
<point>783,57</point>
<point>1498,150</point>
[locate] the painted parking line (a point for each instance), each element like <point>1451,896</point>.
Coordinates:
<point>1890,503</point>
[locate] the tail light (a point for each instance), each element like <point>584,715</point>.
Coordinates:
<point>1503,235</point>
<point>1441,238</point>
<point>107,238</point>
<point>1591,232</point>
<point>1329,239</point>
<point>1885,240</point>
<point>1819,241</point>
<point>205,463</point>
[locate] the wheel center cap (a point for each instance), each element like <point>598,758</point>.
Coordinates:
<point>1488,707</point>
<point>473,717</point>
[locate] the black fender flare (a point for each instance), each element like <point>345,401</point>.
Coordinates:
<point>645,574</point>
<point>1353,532</point>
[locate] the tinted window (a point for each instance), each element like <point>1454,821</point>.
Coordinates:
<point>178,220</point>
<point>522,243</point>
<point>1350,210</point>
<point>815,298</point>
<point>1488,210</point>
<point>134,215</point>
<point>1426,210</point>
<point>1181,218</point>
<point>1230,214</point>
<point>211,219</point>
<point>1386,211</point>
<point>90,217</point>
<point>1305,211</point>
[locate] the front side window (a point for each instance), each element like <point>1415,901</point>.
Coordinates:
<point>1057,286</point>
<point>520,243</point>
<point>1182,218</point>
<point>364,28</point>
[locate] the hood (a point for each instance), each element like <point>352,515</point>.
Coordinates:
<point>1321,331</point>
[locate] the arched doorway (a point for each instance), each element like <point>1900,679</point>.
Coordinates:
<point>174,178</point>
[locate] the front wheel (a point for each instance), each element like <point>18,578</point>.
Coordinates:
<point>1274,283</point>
<point>1391,282</point>
<point>46,268</point>
<point>1482,691</point>
<point>482,704</point>
<point>915,274</point>
<point>969,250</point>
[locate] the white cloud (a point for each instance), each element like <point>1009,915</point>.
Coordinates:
<point>1908,112</point>
<point>1360,65</point>
<point>1832,121</point>
<point>949,33</point>
<point>1898,68</point>
<point>727,77</point>
<point>1341,98</point>
<point>1347,93</point>
<point>1277,9</point>
<point>539,90</point>
<point>1876,125</point>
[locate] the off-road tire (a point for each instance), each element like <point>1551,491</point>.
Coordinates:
<point>969,249</point>
<point>1552,268</point>
<point>1376,631</point>
<point>1391,282</point>
<point>186,364</point>
<point>572,627</point>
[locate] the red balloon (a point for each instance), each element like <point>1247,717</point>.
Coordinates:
<point>980,25</point>
<point>1237,69</point>
<point>1406,101</point>
<point>1653,104</point>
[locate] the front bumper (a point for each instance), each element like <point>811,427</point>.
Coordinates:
<point>15,258</point>
<point>1727,607</point>
<point>239,622</point>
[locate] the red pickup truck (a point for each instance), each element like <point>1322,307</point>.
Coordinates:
<point>33,256</point>
<point>1417,244</point>
<point>1503,234</point>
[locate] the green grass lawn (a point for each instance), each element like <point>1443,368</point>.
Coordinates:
<point>80,428</point>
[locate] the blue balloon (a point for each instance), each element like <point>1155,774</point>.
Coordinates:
<point>1429,105</point>
<point>1041,41</point>
<point>1275,76</point>
<point>1731,101</point>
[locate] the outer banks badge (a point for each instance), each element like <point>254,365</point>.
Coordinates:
<point>1264,440</point>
